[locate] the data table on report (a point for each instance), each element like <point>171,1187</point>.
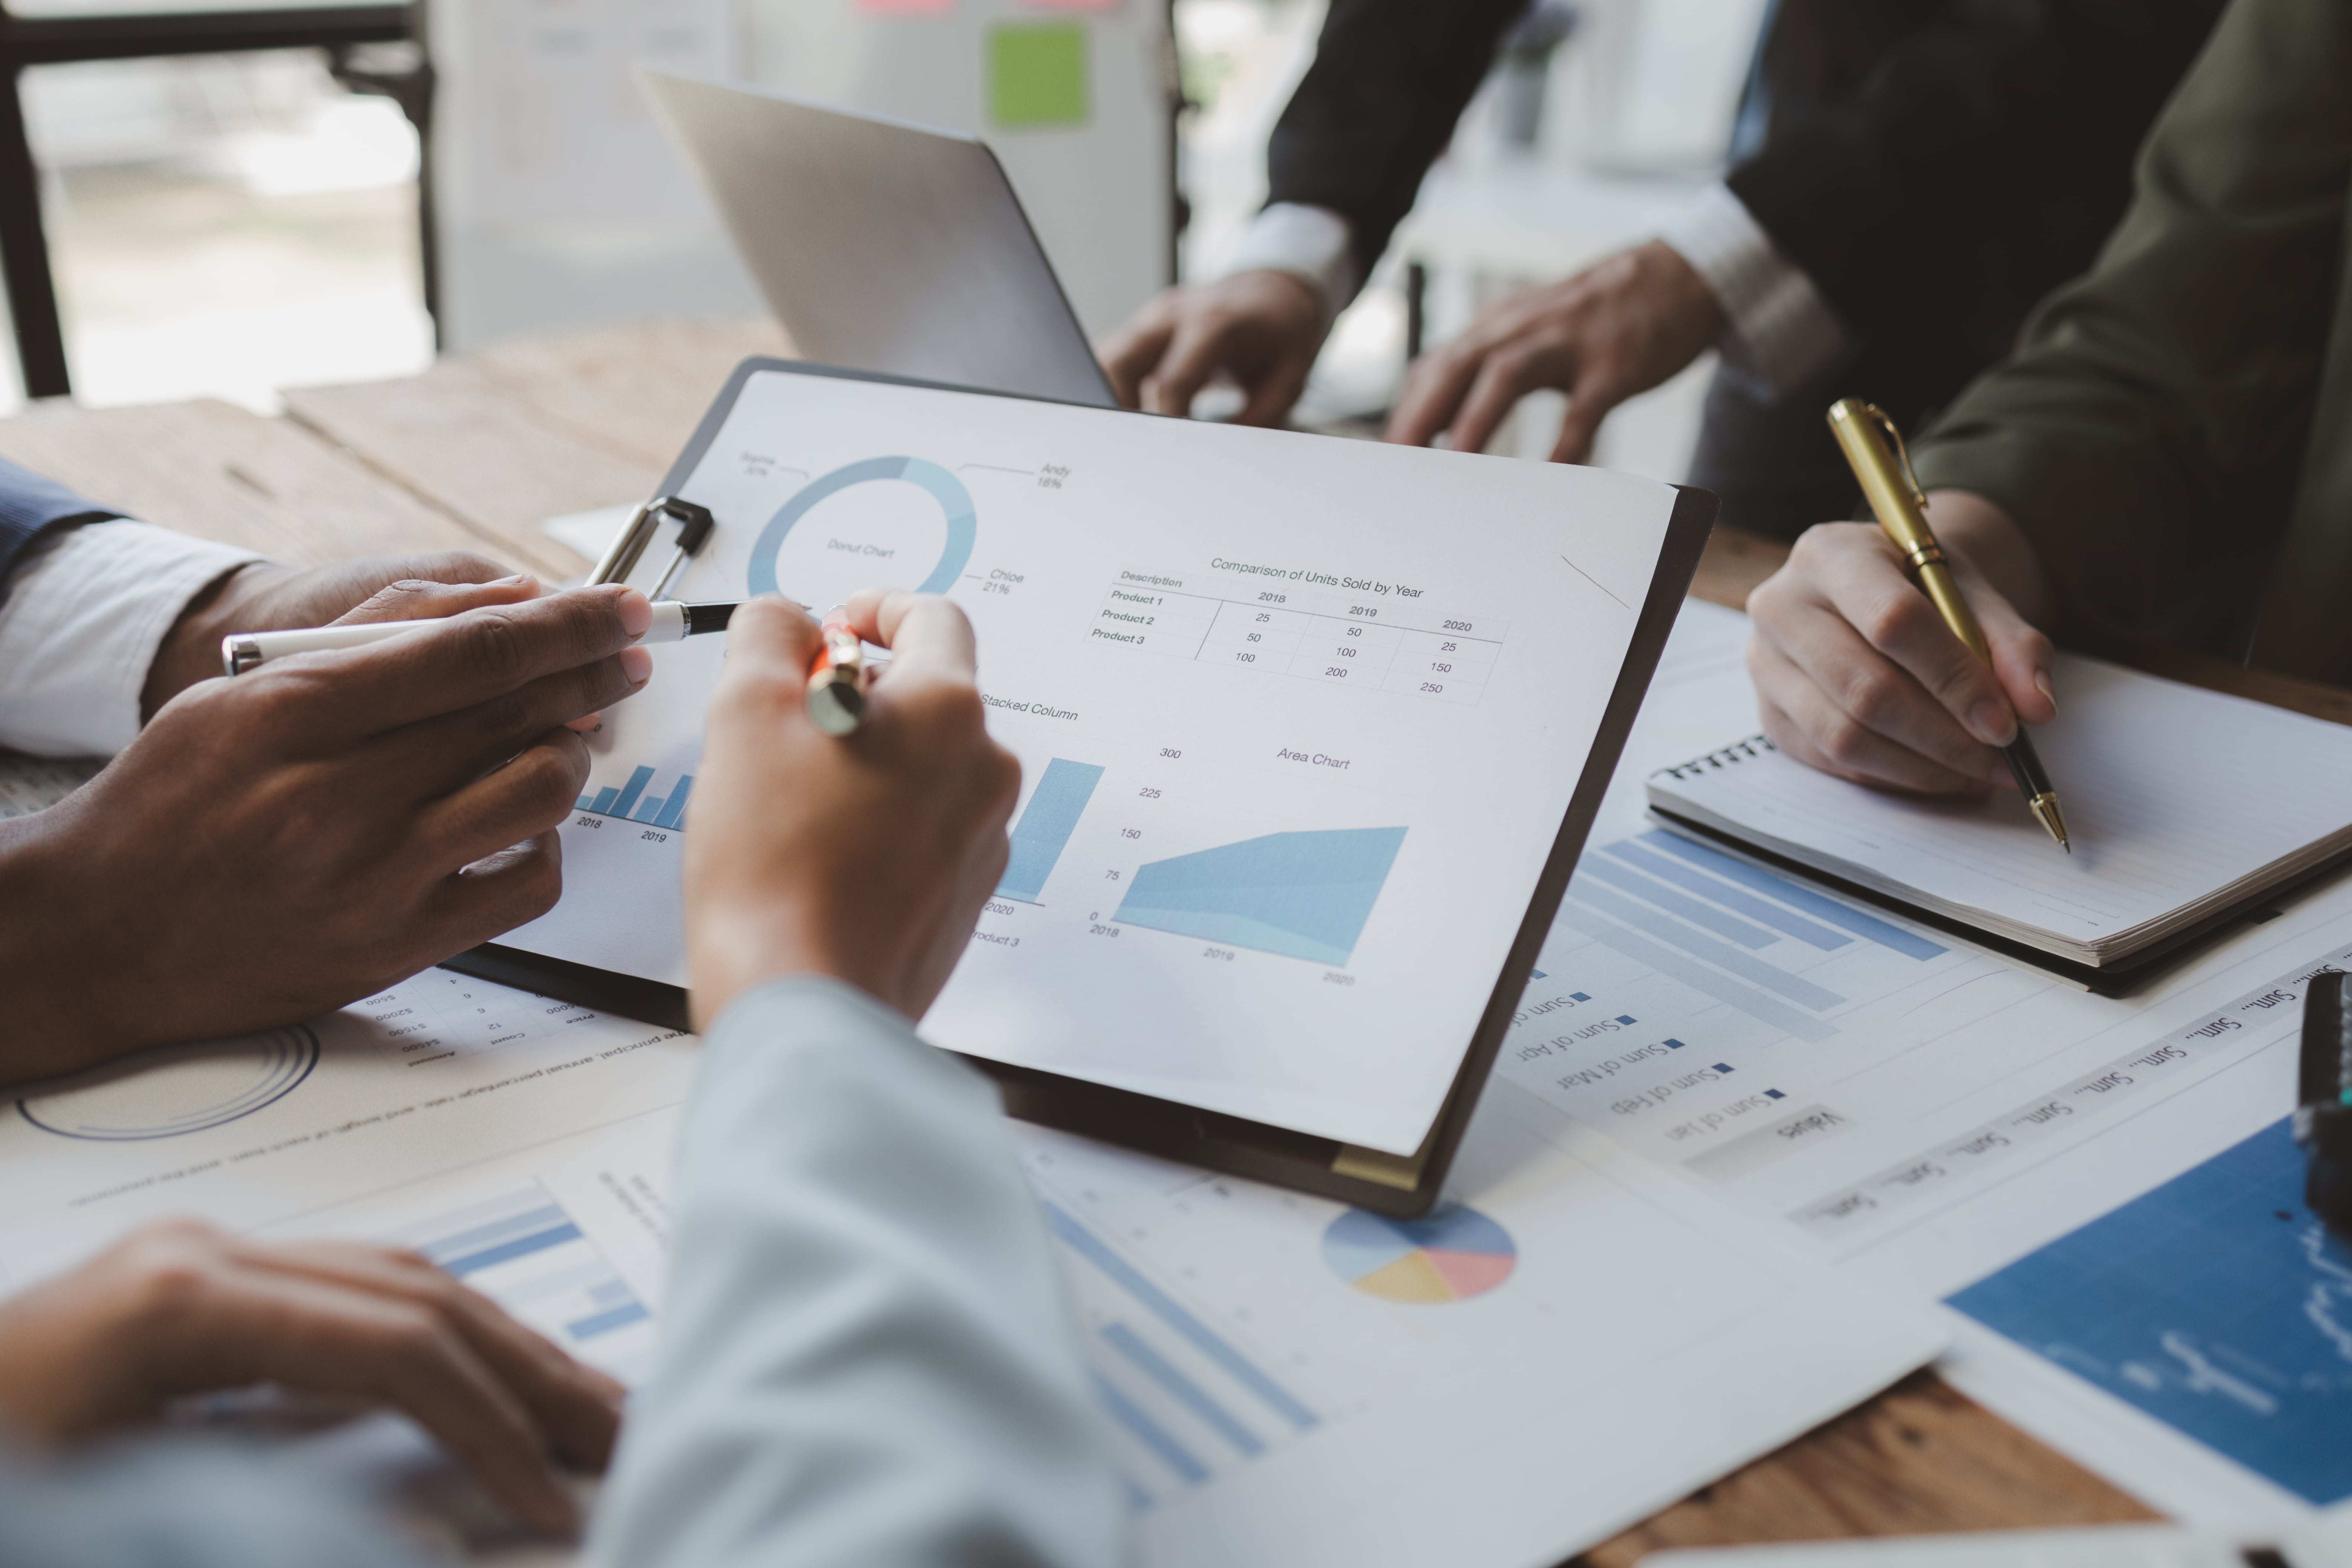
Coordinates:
<point>1394,646</point>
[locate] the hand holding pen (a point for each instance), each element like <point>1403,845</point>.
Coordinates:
<point>1863,432</point>
<point>837,682</point>
<point>1856,674</point>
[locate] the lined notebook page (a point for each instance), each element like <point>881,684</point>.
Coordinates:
<point>2171,795</point>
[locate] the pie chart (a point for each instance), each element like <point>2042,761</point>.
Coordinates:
<point>1451,1255</point>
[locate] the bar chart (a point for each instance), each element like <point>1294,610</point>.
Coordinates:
<point>1045,827</point>
<point>1187,1402</point>
<point>1303,895</point>
<point>524,1252</point>
<point>1734,932</point>
<point>630,803</point>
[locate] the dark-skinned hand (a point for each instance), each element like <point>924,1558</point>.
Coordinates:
<point>280,843</point>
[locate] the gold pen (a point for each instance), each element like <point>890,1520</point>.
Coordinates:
<point>1892,491</point>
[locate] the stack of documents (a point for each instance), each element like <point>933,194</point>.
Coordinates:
<point>2186,806</point>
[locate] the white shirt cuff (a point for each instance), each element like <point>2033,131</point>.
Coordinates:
<point>87,610</point>
<point>1781,330</point>
<point>1311,244</point>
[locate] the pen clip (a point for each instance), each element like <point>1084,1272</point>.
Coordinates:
<point>1902,453</point>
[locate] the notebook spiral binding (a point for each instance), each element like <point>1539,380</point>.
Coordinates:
<point>1737,751</point>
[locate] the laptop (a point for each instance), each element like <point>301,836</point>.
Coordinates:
<point>882,245</point>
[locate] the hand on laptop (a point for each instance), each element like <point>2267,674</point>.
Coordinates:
<point>284,843</point>
<point>180,1309</point>
<point>1856,675</point>
<point>1262,328</point>
<point>867,858</point>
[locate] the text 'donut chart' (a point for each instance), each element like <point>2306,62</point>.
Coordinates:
<point>1379,640</point>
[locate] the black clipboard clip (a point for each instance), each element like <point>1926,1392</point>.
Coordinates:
<point>695,527</point>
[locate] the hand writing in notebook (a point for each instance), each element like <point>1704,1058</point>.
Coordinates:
<point>1856,675</point>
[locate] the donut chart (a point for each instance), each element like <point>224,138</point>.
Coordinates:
<point>177,1089</point>
<point>955,507</point>
<point>1451,1255</point>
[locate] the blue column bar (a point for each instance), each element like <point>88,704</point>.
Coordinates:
<point>630,791</point>
<point>674,813</point>
<point>603,804</point>
<point>647,809</point>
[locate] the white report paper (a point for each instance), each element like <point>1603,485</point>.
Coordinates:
<point>1274,1389</point>
<point>1299,721</point>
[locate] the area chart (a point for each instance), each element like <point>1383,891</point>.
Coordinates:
<point>1303,895</point>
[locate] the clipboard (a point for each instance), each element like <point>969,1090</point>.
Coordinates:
<point>1404,1185</point>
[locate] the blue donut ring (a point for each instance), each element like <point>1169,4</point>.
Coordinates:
<point>955,502</point>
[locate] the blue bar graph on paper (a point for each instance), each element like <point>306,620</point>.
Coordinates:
<point>1692,973</point>
<point>1755,877</point>
<point>605,1323</point>
<point>1753,970</point>
<point>1690,879</point>
<point>1150,1433</point>
<point>1182,1389</point>
<point>531,1257</point>
<point>1046,825</point>
<point>1174,1314</point>
<point>631,790</point>
<point>630,801</point>
<point>1747,933</point>
<point>556,1234</point>
<point>1303,895</point>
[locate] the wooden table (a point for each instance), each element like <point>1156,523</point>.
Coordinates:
<point>475,453</point>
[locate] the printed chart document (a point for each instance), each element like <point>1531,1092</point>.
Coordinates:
<point>1573,1342</point>
<point>1299,721</point>
<point>2099,1189</point>
<point>2181,803</point>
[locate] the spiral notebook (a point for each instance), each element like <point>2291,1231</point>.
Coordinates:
<point>2188,809</point>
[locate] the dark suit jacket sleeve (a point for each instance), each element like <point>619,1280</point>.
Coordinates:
<point>2155,427</point>
<point>30,507</point>
<point>1377,106</point>
<point>1915,146</point>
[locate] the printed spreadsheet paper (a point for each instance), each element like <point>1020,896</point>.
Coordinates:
<point>1934,1119</point>
<point>1294,744</point>
<point>1283,1380</point>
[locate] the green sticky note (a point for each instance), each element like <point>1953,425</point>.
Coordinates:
<point>1037,74</point>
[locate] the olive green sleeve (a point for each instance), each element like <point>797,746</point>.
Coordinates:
<point>2149,431</point>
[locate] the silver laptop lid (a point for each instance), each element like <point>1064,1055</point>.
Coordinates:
<point>882,245</point>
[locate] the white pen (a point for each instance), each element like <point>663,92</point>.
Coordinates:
<point>240,651</point>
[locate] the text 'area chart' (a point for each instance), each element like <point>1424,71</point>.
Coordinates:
<point>1391,642</point>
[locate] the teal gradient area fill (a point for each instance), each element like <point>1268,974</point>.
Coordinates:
<point>1303,895</point>
<point>1046,825</point>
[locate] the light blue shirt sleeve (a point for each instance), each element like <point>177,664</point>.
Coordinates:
<point>866,1358</point>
